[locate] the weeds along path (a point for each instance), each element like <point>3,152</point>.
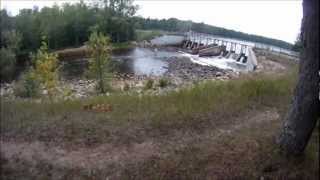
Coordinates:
<point>117,157</point>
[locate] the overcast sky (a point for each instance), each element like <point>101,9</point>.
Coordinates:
<point>280,19</point>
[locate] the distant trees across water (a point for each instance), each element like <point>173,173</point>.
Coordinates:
<point>174,24</point>
<point>70,25</point>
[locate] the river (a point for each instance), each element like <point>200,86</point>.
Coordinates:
<point>152,62</point>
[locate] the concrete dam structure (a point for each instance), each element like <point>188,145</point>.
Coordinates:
<point>205,45</point>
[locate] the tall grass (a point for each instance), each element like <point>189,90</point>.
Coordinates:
<point>147,34</point>
<point>209,101</point>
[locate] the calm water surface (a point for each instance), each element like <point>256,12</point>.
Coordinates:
<point>138,61</point>
<point>149,61</point>
<point>143,61</point>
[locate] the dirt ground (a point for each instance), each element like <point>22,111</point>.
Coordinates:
<point>108,155</point>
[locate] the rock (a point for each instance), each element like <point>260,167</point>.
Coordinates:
<point>45,92</point>
<point>187,70</point>
<point>218,74</point>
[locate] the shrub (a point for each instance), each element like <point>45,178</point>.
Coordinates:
<point>147,34</point>
<point>99,48</point>
<point>10,46</point>
<point>163,82</point>
<point>7,64</point>
<point>46,68</point>
<point>126,87</point>
<point>149,84</point>
<point>27,86</point>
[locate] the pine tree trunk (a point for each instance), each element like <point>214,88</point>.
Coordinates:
<point>304,112</point>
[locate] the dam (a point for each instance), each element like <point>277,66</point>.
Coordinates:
<point>208,50</point>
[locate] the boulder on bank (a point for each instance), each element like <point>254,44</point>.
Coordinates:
<point>185,69</point>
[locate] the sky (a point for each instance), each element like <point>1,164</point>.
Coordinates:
<point>279,19</point>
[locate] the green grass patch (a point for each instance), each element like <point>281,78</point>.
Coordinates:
<point>181,122</point>
<point>163,82</point>
<point>147,35</point>
<point>122,46</point>
<point>149,84</point>
<point>188,108</point>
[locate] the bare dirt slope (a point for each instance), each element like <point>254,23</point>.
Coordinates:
<point>218,147</point>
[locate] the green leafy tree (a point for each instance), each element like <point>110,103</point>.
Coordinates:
<point>46,68</point>
<point>10,46</point>
<point>7,64</point>
<point>99,48</point>
<point>28,86</point>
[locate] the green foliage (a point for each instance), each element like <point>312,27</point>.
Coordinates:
<point>126,87</point>
<point>175,109</point>
<point>163,82</point>
<point>99,48</point>
<point>7,64</point>
<point>173,24</point>
<point>11,40</point>
<point>120,47</point>
<point>46,68</point>
<point>147,34</point>
<point>69,24</point>
<point>134,120</point>
<point>28,85</point>
<point>149,84</point>
<point>10,44</point>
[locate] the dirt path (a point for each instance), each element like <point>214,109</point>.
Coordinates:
<point>107,155</point>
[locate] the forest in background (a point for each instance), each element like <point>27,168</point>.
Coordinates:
<point>70,25</point>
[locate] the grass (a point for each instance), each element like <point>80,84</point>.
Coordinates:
<point>163,82</point>
<point>282,59</point>
<point>29,121</point>
<point>148,84</point>
<point>81,52</point>
<point>183,124</point>
<point>120,47</point>
<point>147,35</point>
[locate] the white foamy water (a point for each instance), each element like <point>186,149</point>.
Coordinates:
<point>219,62</point>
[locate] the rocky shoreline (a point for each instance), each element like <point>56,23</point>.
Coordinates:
<point>181,72</point>
<point>185,69</point>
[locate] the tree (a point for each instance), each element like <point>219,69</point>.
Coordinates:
<point>46,68</point>
<point>297,46</point>
<point>10,47</point>
<point>304,112</point>
<point>7,64</point>
<point>99,49</point>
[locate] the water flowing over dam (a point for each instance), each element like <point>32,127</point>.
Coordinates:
<point>212,51</point>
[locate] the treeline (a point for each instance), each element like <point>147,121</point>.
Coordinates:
<point>63,26</point>
<point>174,24</point>
<point>71,24</point>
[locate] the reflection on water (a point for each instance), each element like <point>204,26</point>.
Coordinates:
<point>143,61</point>
<point>138,61</point>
